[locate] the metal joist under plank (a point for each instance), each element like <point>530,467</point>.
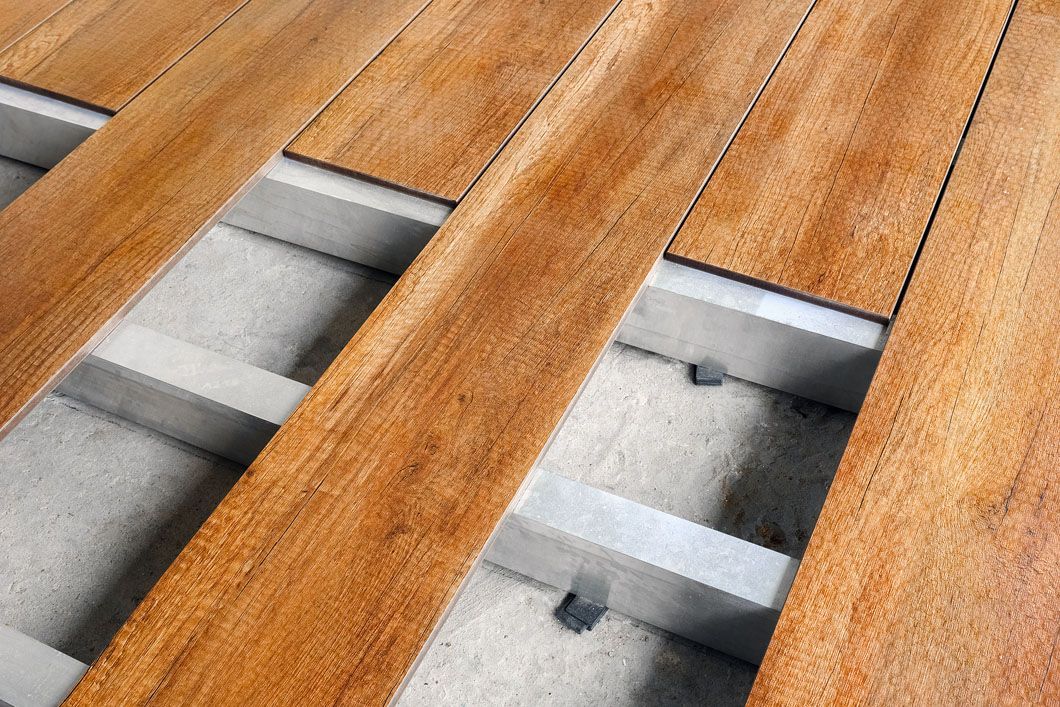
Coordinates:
<point>693,581</point>
<point>749,332</point>
<point>208,400</point>
<point>33,674</point>
<point>755,334</point>
<point>40,130</point>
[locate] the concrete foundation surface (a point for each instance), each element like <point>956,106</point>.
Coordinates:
<point>95,508</point>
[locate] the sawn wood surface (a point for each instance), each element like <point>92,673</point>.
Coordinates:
<point>434,108</point>
<point>101,53</point>
<point>933,576</point>
<point>86,241</point>
<point>829,186</point>
<point>321,576</point>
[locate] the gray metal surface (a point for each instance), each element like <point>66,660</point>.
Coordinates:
<point>211,401</point>
<point>40,130</point>
<point>751,333</point>
<point>33,674</point>
<point>333,213</point>
<point>339,215</point>
<point>705,319</point>
<point>691,580</point>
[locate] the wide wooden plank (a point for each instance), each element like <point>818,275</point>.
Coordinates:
<point>101,53</point>
<point>829,186</point>
<point>433,109</point>
<point>20,16</point>
<point>82,244</point>
<point>932,576</point>
<point>322,574</point>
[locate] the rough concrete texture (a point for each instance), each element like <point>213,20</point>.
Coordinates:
<point>503,645</point>
<point>95,508</point>
<point>740,458</point>
<point>15,178</point>
<point>286,309</point>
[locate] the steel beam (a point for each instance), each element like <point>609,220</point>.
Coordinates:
<point>691,580</point>
<point>752,333</point>
<point>747,331</point>
<point>33,674</point>
<point>339,215</point>
<point>40,130</point>
<point>213,402</point>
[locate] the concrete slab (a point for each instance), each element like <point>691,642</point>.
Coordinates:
<point>15,178</point>
<point>502,645</point>
<point>739,458</point>
<point>98,507</point>
<point>95,510</point>
<point>280,307</point>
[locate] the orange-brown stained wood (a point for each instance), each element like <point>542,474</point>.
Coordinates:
<point>432,110</point>
<point>82,244</point>
<point>933,576</point>
<point>101,53</point>
<point>321,575</point>
<point>829,186</point>
<point>20,16</point>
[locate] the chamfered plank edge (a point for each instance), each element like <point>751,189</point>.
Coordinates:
<point>829,186</point>
<point>431,113</point>
<point>479,321</point>
<point>932,573</point>
<point>99,54</point>
<point>19,17</point>
<point>83,243</point>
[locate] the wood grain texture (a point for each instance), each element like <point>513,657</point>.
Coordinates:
<point>433,109</point>
<point>933,576</point>
<point>829,186</point>
<point>17,17</point>
<point>322,574</point>
<point>101,53</point>
<point>82,244</point>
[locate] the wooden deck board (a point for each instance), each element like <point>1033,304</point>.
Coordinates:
<point>101,53</point>
<point>433,109</point>
<point>82,244</point>
<point>20,16</point>
<point>829,186</point>
<point>932,576</point>
<point>322,574</point>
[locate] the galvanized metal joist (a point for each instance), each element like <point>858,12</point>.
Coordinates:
<point>747,331</point>
<point>691,580</point>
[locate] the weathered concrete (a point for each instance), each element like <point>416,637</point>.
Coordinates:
<point>503,645</point>
<point>94,511</point>
<point>96,508</point>
<point>740,458</point>
<point>286,309</point>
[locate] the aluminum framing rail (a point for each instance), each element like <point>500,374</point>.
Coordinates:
<point>755,334</point>
<point>746,331</point>
<point>41,130</point>
<point>693,581</point>
<point>33,674</point>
